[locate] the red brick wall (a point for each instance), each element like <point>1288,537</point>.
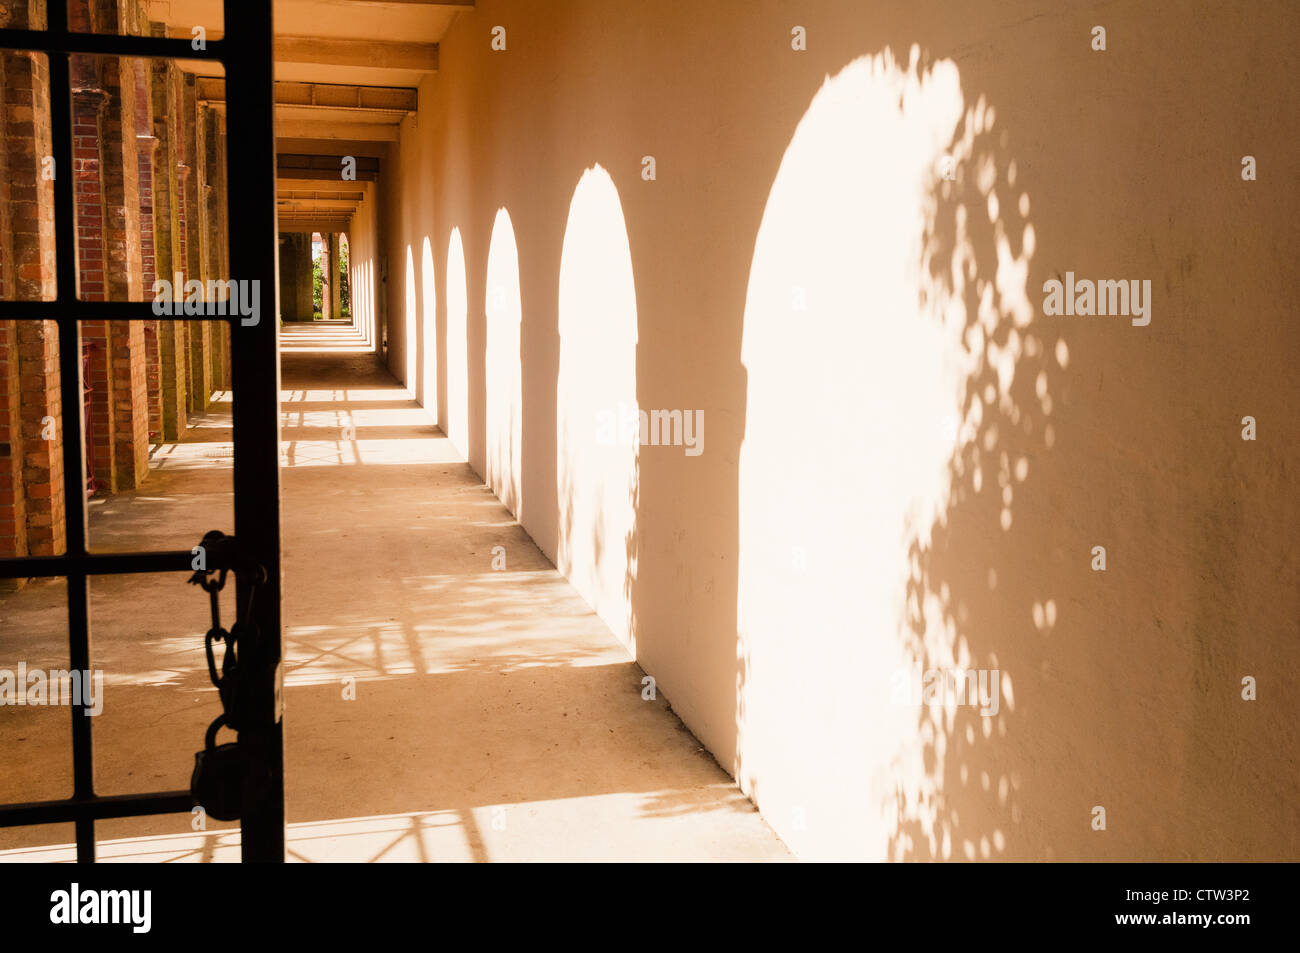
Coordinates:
<point>31,475</point>
<point>29,195</point>
<point>125,271</point>
<point>111,265</point>
<point>200,332</point>
<point>139,164</point>
<point>89,102</point>
<point>130,394</point>
<point>38,368</point>
<point>173,347</point>
<point>13,506</point>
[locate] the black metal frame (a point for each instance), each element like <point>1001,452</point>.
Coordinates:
<point>246,55</point>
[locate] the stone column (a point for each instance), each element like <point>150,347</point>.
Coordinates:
<point>146,151</point>
<point>336,281</point>
<point>223,241</point>
<point>214,206</point>
<point>200,375</point>
<point>168,258</point>
<point>326,285</point>
<point>124,270</point>
<point>295,276</point>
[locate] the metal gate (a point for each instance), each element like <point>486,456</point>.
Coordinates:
<point>245,53</point>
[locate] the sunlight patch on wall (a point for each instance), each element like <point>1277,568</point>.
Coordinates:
<point>861,363</point>
<point>410,321</point>
<point>428,396</point>
<point>504,388</point>
<point>596,468</point>
<point>457,351</point>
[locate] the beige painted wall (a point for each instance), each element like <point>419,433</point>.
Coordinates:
<point>804,275</point>
<point>364,252</point>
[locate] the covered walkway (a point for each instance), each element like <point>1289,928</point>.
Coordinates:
<point>448,695</point>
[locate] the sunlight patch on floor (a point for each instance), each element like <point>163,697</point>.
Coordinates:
<point>667,825</point>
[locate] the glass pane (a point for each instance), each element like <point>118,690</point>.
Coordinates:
<point>149,137</point>
<point>175,18</point>
<point>36,691</point>
<point>27,173</point>
<point>159,444</point>
<point>32,507</point>
<point>158,698</point>
<point>23,16</point>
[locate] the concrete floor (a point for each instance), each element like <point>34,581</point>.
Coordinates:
<point>495,717</point>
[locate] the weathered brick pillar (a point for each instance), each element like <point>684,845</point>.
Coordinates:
<point>200,372</point>
<point>146,145</point>
<point>38,368</point>
<point>183,206</point>
<point>121,182</point>
<point>223,232</point>
<point>39,427</point>
<point>222,238</point>
<point>146,148</point>
<point>124,270</point>
<point>110,263</point>
<point>13,504</point>
<point>31,517</point>
<point>88,104</point>
<point>130,394</point>
<point>191,329</point>
<point>168,257</point>
<point>89,101</point>
<point>8,273</point>
<point>183,214</point>
<point>214,202</point>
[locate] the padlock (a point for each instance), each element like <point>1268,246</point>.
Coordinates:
<point>217,784</point>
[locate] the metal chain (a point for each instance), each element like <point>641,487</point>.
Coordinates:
<point>226,681</point>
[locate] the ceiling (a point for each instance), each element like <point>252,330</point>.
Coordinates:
<point>346,74</point>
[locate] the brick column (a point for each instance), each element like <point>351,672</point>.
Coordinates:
<point>223,232</point>
<point>168,256</point>
<point>37,341</point>
<point>89,101</point>
<point>214,203</point>
<point>13,503</point>
<point>88,104</point>
<point>146,148</point>
<point>111,263</point>
<point>200,374</point>
<point>191,330</point>
<point>42,474</point>
<point>130,395</point>
<point>124,271</point>
<point>121,183</point>
<point>31,516</point>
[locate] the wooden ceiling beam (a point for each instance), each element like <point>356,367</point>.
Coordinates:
<point>394,100</point>
<point>371,54</point>
<point>325,129</point>
<point>324,168</point>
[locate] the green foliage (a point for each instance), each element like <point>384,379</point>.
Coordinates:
<point>345,285</point>
<point>316,277</point>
